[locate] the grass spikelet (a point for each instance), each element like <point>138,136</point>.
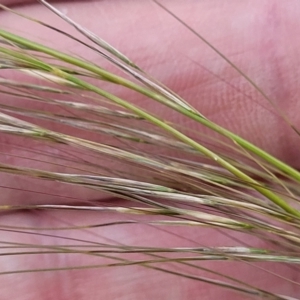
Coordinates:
<point>106,166</point>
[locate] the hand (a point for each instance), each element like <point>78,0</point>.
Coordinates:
<point>261,39</point>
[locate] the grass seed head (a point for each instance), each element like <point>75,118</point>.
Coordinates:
<point>147,171</point>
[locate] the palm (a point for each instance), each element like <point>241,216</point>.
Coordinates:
<point>240,33</point>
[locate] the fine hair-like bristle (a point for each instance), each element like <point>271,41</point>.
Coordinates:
<point>68,123</point>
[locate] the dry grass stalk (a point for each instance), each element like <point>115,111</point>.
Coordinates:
<point>206,183</point>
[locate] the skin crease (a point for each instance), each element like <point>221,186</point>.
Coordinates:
<point>261,37</point>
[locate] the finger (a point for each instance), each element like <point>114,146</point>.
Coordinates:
<point>16,2</point>
<point>13,2</point>
<point>126,282</point>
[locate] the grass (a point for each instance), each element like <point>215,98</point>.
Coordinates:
<point>228,184</point>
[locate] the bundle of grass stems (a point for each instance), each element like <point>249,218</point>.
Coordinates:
<point>106,196</point>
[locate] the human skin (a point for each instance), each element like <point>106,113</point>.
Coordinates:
<point>261,38</point>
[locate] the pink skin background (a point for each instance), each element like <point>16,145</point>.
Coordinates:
<point>261,37</point>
